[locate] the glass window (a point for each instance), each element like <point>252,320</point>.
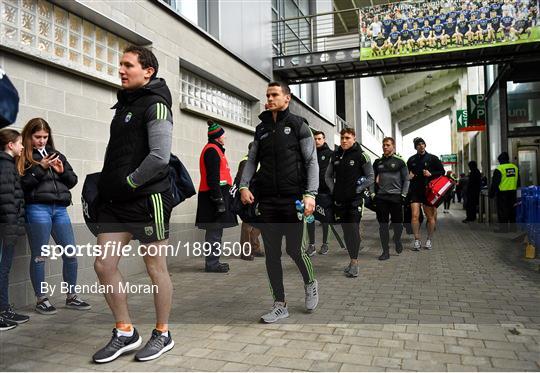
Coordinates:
<point>208,96</point>
<point>494,123</point>
<point>370,124</point>
<point>50,32</point>
<point>523,100</point>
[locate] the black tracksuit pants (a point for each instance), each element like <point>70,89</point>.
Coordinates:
<point>278,218</point>
<point>348,214</point>
<point>311,232</point>
<point>506,212</point>
<point>389,208</point>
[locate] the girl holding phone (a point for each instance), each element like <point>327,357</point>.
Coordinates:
<point>46,178</point>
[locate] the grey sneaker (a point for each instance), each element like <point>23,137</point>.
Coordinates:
<point>117,346</point>
<point>279,311</point>
<point>347,269</point>
<point>353,271</point>
<point>312,295</point>
<point>324,249</point>
<point>310,250</point>
<point>156,346</point>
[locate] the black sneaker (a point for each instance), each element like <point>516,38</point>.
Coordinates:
<point>77,303</point>
<point>220,268</point>
<point>12,316</point>
<point>45,307</point>
<point>311,249</point>
<point>399,248</point>
<point>117,346</point>
<point>6,324</point>
<point>384,256</point>
<point>156,346</point>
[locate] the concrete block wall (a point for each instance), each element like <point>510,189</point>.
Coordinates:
<point>78,109</point>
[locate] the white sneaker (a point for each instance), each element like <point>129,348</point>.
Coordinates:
<point>312,295</point>
<point>417,245</point>
<point>279,311</point>
<point>428,244</point>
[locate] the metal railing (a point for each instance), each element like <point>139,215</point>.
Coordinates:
<point>322,32</point>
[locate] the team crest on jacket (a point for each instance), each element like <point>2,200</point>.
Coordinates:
<point>323,157</point>
<point>351,162</point>
<point>128,117</point>
<point>287,130</point>
<point>149,230</point>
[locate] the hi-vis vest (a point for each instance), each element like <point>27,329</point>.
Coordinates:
<point>509,179</point>
<point>225,177</point>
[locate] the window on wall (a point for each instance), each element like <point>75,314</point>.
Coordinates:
<point>205,96</point>
<point>380,134</point>
<point>49,32</point>
<point>523,103</point>
<point>370,124</point>
<point>203,13</point>
<point>291,36</point>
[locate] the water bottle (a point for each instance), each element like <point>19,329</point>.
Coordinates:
<point>359,184</point>
<point>300,212</point>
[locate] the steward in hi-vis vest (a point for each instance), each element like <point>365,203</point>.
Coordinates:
<point>504,184</point>
<point>213,207</point>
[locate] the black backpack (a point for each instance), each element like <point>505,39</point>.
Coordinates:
<point>9,101</point>
<point>181,184</point>
<point>181,188</point>
<point>90,201</point>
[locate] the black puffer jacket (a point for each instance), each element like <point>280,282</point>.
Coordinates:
<point>324,154</point>
<point>11,201</point>
<point>46,186</point>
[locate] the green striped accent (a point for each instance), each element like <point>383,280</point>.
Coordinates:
<point>305,257</point>
<point>161,110</point>
<point>130,182</point>
<point>158,215</point>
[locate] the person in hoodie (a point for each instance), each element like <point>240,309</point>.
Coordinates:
<point>11,221</point>
<point>324,153</point>
<point>474,187</point>
<point>213,207</point>
<point>136,200</point>
<point>348,174</point>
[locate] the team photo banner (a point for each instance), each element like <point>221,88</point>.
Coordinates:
<point>427,27</point>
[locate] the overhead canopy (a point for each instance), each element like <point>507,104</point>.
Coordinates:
<point>418,99</point>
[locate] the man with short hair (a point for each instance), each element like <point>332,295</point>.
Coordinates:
<point>285,150</point>
<point>504,184</point>
<point>391,187</point>
<point>348,174</point>
<point>423,167</point>
<point>136,199</point>
<point>324,154</point>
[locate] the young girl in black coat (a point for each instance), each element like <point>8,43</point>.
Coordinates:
<point>11,220</point>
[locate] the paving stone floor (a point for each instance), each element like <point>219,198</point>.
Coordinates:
<point>467,305</point>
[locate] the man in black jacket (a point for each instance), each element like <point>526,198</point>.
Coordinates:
<point>285,150</point>
<point>324,153</point>
<point>136,199</point>
<point>348,174</point>
<point>474,185</point>
<point>423,167</point>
